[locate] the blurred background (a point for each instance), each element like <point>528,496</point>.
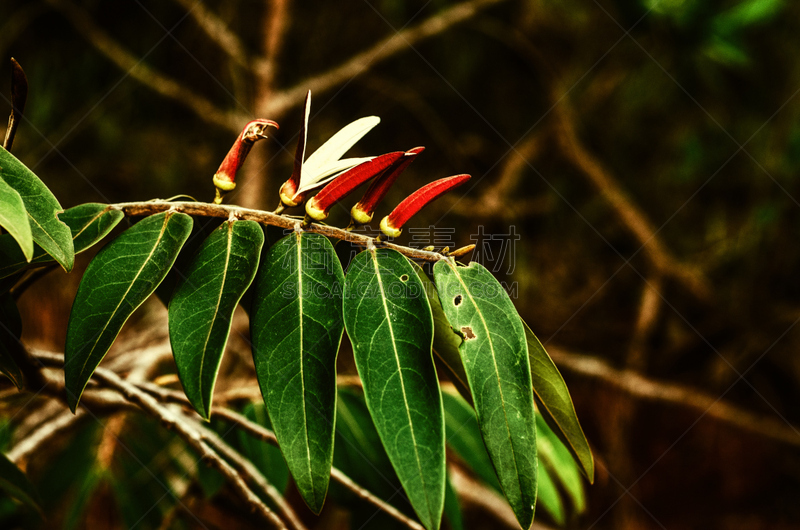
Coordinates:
<point>635,185</point>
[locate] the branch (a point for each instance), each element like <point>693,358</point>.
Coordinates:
<point>173,421</point>
<point>265,218</point>
<point>627,211</point>
<point>246,468</point>
<point>262,433</point>
<point>274,33</point>
<point>43,435</point>
<point>639,386</point>
<point>400,41</point>
<point>649,307</point>
<point>147,395</point>
<point>218,31</point>
<point>497,200</point>
<point>146,75</point>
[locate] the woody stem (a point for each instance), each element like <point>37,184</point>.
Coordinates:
<point>265,218</point>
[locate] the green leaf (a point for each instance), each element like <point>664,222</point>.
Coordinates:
<point>495,357</point>
<point>118,280</point>
<point>14,218</point>
<point>552,392</point>
<point>747,13</point>
<point>555,456</point>
<point>464,437</point>
<point>10,347</point>
<point>266,457</point>
<point>15,483</point>
<point>201,310</point>
<point>389,322</point>
<point>202,228</point>
<point>445,340</point>
<point>358,451</point>
<point>452,509</point>
<point>296,327</point>
<point>88,224</point>
<point>549,498</point>
<point>50,233</point>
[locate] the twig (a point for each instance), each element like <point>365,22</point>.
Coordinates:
<point>266,218</point>
<point>677,394</point>
<point>146,75</point>
<point>46,432</point>
<point>218,31</point>
<point>627,211</point>
<point>146,394</point>
<point>19,94</point>
<point>496,201</point>
<point>649,307</point>
<point>150,405</point>
<point>246,468</point>
<point>402,40</point>
<point>274,33</point>
<point>32,278</point>
<point>262,433</point>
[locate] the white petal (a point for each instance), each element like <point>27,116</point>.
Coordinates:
<point>336,146</point>
<point>331,171</point>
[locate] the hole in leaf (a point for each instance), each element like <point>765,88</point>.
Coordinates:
<point>457,300</point>
<point>467,332</point>
<point>404,278</point>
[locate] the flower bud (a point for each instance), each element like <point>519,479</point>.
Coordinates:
<point>363,211</point>
<point>392,224</point>
<point>225,177</point>
<point>319,206</point>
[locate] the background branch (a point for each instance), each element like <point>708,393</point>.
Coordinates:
<point>146,75</point>
<point>262,433</point>
<point>185,431</point>
<point>650,389</point>
<point>381,51</point>
<point>626,209</point>
<point>216,29</point>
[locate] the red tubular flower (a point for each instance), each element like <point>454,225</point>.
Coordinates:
<point>392,224</point>
<point>363,211</point>
<point>319,206</point>
<point>225,177</point>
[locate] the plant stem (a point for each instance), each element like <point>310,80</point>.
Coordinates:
<point>265,218</point>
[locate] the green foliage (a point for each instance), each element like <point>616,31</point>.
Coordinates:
<point>42,208</point>
<point>296,323</point>
<point>549,387</point>
<point>390,440</point>
<point>389,322</point>
<point>201,309</point>
<point>117,281</point>
<point>14,218</point>
<point>88,223</point>
<point>14,482</point>
<point>495,356</point>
